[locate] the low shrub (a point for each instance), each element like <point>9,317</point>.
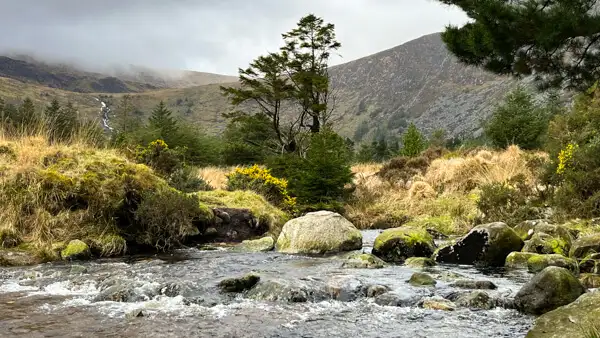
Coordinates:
<point>262,182</point>
<point>404,168</point>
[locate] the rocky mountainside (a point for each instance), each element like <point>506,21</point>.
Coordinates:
<point>419,81</point>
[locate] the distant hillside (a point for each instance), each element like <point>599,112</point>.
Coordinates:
<point>419,81</point>
<point>127,80</point>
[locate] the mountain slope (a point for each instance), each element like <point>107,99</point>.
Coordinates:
<point>125,80</point>
<point>419,81</point>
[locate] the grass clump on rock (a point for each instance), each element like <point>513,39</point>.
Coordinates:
<point>58,193</point>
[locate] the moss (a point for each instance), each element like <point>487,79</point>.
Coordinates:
<point>260,207</point>
<point>443,224</point>
<point>76,249</point>
<point>518,259</point>
<point>258,245</point>
<point>421,279</point>
<point>537,263</point>
<point>419,262</point>
<point>398,244</point>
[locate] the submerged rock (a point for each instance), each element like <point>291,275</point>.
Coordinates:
<point>421,279</point>
<point>549,289</point>
<point>363,261</point>
<point>257,245</point>
<point>240,284</point>
<point>397,244</point>
<point>403,297</point>
<point>576,320</point>
<point>376,290</point>
<point>474,284</point>
<point>76,250</point>
<point>538,263</point>
<point>486,244</point>
<point>345,288</point>
<point>438,303</point>
<point>419,262</point>
<point>585,246</point>
<point>518,259</point>
<point>319,232</point>
<point>78,269</point>
<point>138,313</point>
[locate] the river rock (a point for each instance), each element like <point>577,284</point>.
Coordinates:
<point>403,297</point>
<point>486,244</point>
<point>76,250</point>
<point>526,228</point>
<point>257,245</point>
<point>585,246</point>
<point>438,303</point>
<point>239,284</point>
<point>137,313</point>
<point>421,279</point>
<point>419,262</point>
<point>575,320</point>
<point>590,280</point>
<point>319,232</point>
<point>397,244</point>
<point>78,269</point>
<point>551,288</point>
<point>345,288</point>
<point>590,264</point>
<point>363,261</point>
<point>518,259</point>
<point>376,290</point>
<point>234,225</point>
<point>545,244</point>
<point>476,300</point>
<point>474,284</point>
<point>538,263</point>
<point>296,291</point>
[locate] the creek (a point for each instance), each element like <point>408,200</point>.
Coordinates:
<point>178,297</point>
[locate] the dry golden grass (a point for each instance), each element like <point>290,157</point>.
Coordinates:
<point>445,197</point>
<point>215,176</point>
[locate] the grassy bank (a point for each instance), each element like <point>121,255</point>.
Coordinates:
<point>440,193</point>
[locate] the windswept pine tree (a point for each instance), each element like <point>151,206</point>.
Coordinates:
<point>162,121</point>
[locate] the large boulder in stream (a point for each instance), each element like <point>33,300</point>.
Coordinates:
<point>320,232</point>
<point>397,244</point>
<point>548,290</point>
<point>293,291</point>
<point>538,263</point>
<point>486,245</point>
<point>239,284</point>
<point>76,250</point>
<point>575,320</point>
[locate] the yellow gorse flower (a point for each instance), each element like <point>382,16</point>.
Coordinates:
<point>263,177</point>
<point>565,158</point>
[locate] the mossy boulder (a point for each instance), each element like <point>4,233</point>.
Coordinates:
<point>293,291</point>
<point>421,279</point>
<point>518,259</point>
<point>590,264</point>
<point>476,300</point>
<point>398,244</point>
<point>363,261</point>
<point>239,284</point>
<point>538,263</point>
<point>585,246</point>
<point>575,320</point>
<point>257,245</point>
<point>419,262</point>
<point>486,245</point>
<point>590,280</point>
<point>546,244</point>
<point>320,232</point>
<point>551,288</point>
<point>526,228</point>
<point>76,250</point>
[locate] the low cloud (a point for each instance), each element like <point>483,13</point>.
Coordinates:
<point>205,35</point>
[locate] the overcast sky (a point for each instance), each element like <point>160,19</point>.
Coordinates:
<point>204,35</point>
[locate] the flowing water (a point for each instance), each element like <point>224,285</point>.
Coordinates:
<point>178,297</point>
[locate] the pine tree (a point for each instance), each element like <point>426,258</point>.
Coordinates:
<point>162,121</point>
<point>27,117</point>
<point>2,113</point>
<point>413,142</point>
<point>68,121</point>
<point>51,118</point>
<point>558,41</point>
<point>307,49</point>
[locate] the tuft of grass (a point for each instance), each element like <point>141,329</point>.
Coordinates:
<point>216,177</point>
